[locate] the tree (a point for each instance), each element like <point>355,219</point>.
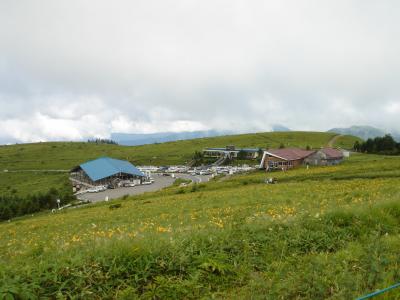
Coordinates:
<point>198,158</point>
<point>102,141</point>
<point>242,154</point>
<point>379,145</point>
<point>357,146</point>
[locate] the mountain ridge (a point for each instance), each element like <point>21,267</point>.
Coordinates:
<point>137,139</point>
<point>364,131</point>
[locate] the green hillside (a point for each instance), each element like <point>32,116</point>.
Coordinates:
<point>65,155</point>
<point>322,233</point>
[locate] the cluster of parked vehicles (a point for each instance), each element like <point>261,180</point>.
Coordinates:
<point>216,170</point>
<point>164,169</point>
<point>102,188</point>
<point>169,171</point>
<point>221,170</point>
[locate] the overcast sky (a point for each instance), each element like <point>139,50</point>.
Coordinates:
<point>75,69</point>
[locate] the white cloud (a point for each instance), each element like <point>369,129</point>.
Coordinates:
<point>125,125</point>
<point>393,108</point>
<point>71,69</point>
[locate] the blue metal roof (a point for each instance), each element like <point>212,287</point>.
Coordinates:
<point>105,167</point>
<point>250,149</point>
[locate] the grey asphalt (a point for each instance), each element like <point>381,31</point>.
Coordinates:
<point>159,183</point>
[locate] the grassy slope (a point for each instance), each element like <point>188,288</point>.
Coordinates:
<point>65,155</point>
<point>327,232</point>
<point>32,182</point>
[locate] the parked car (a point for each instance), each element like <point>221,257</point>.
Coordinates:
<point>101,188</point>
<point>96,189</point>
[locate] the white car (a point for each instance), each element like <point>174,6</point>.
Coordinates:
<point>101,188</point>
<point>97,189</point>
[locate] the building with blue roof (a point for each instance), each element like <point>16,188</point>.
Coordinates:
<point>105,171</point>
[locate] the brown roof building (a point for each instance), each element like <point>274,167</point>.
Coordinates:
<point>284,159</point>
<point>287,158</point>
<point>325,157</point>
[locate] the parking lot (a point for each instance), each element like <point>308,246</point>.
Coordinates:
<point>159,183</point>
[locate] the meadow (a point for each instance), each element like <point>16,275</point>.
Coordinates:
<point>322,233</point>
<point>31,166</point>
<point>65,155</point>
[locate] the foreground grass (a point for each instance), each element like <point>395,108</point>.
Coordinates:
<point>322,233</point>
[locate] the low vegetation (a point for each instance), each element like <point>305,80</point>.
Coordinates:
<point>323,233</point>
<point>30,192</point>
<point>102,141</point>
<point>65,155</point>
<point>12,205</point>
<point>35,168</point>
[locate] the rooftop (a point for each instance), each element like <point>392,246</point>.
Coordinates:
<point>332,153</point>
<point>105,167</point>
<point>290,153</point>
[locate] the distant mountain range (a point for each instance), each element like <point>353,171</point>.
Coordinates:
<point>364,132</point>
<point>135,139</point>
<point>279,128</point>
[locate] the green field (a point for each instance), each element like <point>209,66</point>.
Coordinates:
<point>322,233</point>
<point>66,155</point>
<point>24,183</point>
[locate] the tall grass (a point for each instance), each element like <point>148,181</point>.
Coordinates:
<point>320,238</point>
<point>337,255</point>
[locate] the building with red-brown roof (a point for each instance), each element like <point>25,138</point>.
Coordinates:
<point>325,157</point>
<point>284,159</point>
<point>287,158</point>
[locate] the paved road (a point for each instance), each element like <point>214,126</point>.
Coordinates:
<point>160,182</point>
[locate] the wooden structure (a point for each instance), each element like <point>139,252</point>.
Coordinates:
<point>283,159</point>
<point>287,158</point>
<point>325,157</point>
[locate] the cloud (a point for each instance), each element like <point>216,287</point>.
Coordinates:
<point>75,69</point>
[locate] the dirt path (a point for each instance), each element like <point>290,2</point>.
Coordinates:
<point>333,140</point>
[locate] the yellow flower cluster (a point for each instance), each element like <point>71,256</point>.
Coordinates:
<point>163,229</point>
